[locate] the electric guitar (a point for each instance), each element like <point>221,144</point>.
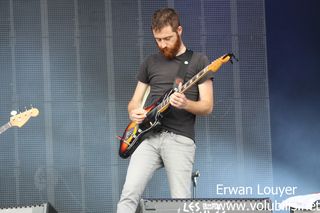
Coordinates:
<point>20,119</point>
<point>135,133</point>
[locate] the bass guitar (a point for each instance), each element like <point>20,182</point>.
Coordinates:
<point>135,133</point>
<point>19,119</point>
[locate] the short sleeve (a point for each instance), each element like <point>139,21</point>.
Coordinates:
<point>142,75</point>
<point>203,62</point>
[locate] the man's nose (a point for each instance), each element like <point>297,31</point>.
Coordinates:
<point>162,44</point>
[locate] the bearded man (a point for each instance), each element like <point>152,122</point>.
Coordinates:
<point>172,144</point>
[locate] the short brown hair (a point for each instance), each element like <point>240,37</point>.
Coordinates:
<point>164,17</point>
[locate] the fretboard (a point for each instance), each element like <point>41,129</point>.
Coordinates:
<point>166,101</point>
<point>5,127</point>
<point>194,79</point>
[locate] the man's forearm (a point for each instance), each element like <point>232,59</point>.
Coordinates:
<point>133,105</point>
<point>199,107</point>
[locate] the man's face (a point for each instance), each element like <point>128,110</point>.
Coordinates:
<point>168,41</point>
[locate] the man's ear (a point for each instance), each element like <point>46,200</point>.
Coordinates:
<point>179,30</point>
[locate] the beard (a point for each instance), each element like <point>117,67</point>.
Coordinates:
<point>170,53</point>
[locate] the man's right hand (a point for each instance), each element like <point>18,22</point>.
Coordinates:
<point>137,115</point>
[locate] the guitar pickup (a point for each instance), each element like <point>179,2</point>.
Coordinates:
<point>123,140</point>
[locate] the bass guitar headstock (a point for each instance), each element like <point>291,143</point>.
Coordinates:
<point>22,118</point>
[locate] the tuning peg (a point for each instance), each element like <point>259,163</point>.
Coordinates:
<point>232,56</point>
<point>13,112</point>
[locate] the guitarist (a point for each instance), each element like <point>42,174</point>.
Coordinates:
<point>171,146</point>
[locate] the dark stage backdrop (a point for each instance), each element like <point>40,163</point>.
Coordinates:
<point>293,57</point>
<point>76,61</point>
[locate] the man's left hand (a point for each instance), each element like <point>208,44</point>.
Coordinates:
<point>178,100</point>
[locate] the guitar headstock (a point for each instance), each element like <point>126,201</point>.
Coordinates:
<point>216,64</point>
<point>20,119</point>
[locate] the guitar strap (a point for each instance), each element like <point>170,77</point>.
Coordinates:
<point>184,62</point>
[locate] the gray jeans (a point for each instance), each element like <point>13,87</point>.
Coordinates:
<point>166,149</point>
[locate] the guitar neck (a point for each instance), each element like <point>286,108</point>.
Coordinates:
<point>194,79</point>
<point>166,101</point>
<point>5,127</point>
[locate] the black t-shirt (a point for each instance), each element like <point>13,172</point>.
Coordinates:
<point>160,74</point>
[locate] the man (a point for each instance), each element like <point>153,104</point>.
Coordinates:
<point>172,146</point>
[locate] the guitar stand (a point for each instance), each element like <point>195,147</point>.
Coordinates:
<point>194,177</point>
